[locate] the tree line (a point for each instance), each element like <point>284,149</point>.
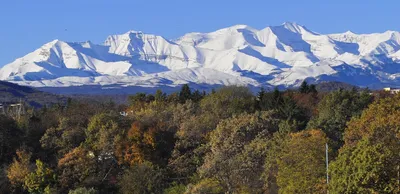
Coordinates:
<point>226,141</point>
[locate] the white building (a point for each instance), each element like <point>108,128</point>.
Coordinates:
<point>392,90</point>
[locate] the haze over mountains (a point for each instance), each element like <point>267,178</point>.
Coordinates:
<point>282,55</point>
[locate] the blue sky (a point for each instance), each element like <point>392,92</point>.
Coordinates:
<point>25,25</point>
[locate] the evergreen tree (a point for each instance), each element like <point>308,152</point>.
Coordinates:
<point>213,91</point>
<point>270,100</point>
<point>10,137</point>
<point>185,93</point>
<point>260,98</point>
<point>312,89</point>
<point>197,96</point>
<point>304,88</point>
<point>335,110</point>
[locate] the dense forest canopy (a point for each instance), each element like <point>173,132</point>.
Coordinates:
<point>226,141</point>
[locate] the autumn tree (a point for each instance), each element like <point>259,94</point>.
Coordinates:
<point>145,143</point>
<point>102,133</point>
<point>150,136</point>
<point>228,101</point>
<point>63,138</point>
<point>160,96</point>
<point>19,169</point>
<point>194,128</point>
<point>301,163</point>
<point>138,100</point>
<point>274,147</point>
<point>369,160</point>
<point>102,139</point>
<point>142,178</point>
<point>76,167</point>
<point>237,151</point>
<point>208,185</point>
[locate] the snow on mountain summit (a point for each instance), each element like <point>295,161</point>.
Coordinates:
<point>296,28</point>
<point>277,55</point>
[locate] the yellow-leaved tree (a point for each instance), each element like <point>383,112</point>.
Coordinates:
<point>301,163</point>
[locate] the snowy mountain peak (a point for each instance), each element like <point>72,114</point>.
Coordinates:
<point>281,55</point>
<point>291,25</point>
<point>233,30</point>
<point>240,27</point>
<point>296,28</point>
<point>348,32</point>
<point>134,32</point>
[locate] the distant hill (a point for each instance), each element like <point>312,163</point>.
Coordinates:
<point>11,93</point>
<point>332,86</point>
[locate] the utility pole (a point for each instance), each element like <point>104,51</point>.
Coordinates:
<point>327,167</point>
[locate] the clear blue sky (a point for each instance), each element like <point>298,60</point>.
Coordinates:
<point>25,25</point>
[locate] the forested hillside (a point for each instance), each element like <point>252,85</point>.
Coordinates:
<point>225,141</point>
<point>11,93</point>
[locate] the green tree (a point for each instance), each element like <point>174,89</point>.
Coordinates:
<point>138,100</point>
<point>191,134</point>
<point>228,101</point>
<point>289,110</point>
<point>275,146</point>
<point>10,138</point>
<point>269,100</point>
<point>103,131</point>
<point>160,96</point>
<point>142,178</point>
<point>197,96</point>
<point>5,185</point>
<point>41,180</point>
<point>63,138</point>
<point>304,87</point>
<point>198,121</point>
<point>209,186</point>
<point>175,188</point>
<point>335,110</point>
<point>312,89</point>
<point>366,168</point>
<point>83,190</point>
<point>237,151</point>
<point>369,160</point>
<point>185,93</point>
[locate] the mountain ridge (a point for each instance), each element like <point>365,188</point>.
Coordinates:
<point>283,55</point>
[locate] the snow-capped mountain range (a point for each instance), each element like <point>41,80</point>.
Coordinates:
<point>282,55</point>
